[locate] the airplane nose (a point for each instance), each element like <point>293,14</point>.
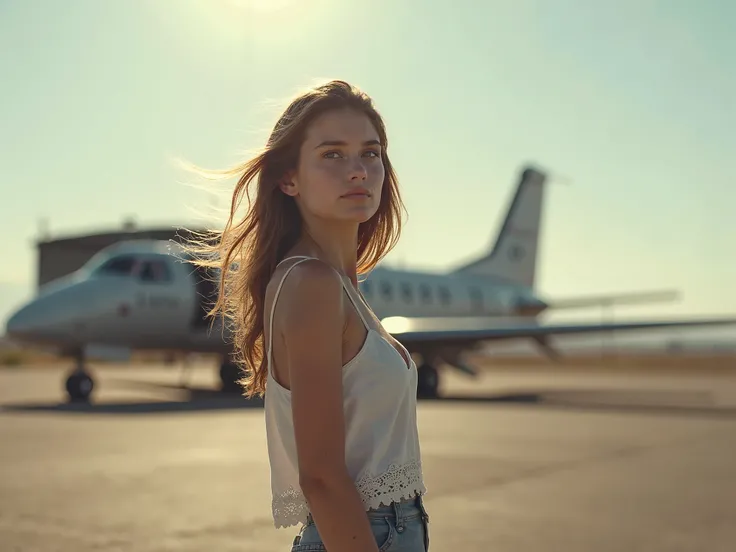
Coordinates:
<point>63,315</point>
<point>47,317</point>
<point>21,323</point>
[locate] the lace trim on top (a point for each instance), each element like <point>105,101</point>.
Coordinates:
<point>396,483</point>
<point>289,508</point>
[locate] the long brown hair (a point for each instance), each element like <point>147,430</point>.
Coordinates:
<point>247,251</point>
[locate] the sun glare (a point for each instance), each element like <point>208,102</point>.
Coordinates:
<point>262,5</point>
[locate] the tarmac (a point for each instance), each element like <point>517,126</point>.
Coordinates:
<point>515,460</point>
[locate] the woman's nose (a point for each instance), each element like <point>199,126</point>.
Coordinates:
<point>358,170</point>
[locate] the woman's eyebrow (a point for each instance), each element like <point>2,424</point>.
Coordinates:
<point>343,143</point>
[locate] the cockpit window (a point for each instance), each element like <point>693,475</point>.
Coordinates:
<point>118,266</point>
<point>154,271</point>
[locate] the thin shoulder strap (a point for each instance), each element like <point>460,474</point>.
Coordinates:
<point>276,297</point>
<point>350,295</point>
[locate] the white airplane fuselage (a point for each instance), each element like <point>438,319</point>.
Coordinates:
<point>137,295</point>
<point>165,311</point>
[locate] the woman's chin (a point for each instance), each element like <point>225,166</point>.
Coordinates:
<point>358,216</point>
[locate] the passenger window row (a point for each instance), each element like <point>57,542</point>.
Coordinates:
<point>423,292</point>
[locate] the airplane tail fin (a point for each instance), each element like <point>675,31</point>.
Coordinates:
<point>513,257</point>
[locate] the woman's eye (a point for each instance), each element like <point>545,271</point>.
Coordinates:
<point>338,155</point>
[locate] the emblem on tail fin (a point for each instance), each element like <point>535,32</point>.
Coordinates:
<point>516,253</point>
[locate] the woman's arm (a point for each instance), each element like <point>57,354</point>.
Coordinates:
<point>312,329</point>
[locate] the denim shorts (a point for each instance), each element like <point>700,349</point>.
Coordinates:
<point>401,527</point>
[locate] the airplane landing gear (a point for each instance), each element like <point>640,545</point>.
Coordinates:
<point>79,384</point>
<point>428,384</point>
<point>229,376</point>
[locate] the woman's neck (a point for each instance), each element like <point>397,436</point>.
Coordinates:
<point>336,245</point>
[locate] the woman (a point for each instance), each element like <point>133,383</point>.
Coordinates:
<point>340,392</point>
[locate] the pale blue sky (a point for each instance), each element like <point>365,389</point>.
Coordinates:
<point>633,101</point>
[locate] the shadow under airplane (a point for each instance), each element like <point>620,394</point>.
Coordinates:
<point>619,400</point>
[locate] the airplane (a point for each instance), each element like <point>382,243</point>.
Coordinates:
<point>145,294</point>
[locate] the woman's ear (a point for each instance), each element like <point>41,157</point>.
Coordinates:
<point>288,184</point>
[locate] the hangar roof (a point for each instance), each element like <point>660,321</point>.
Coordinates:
<point>101,239</point>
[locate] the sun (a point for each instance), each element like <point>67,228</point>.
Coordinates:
<point>262,5</point>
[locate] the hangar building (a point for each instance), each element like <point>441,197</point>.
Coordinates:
<point>60,256</point>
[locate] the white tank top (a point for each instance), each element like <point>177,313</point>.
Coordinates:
<point>381,438</point>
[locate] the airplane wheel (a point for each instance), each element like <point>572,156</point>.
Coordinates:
<point>79,386</point>
<point>429,382</point>
<point>229,376</point>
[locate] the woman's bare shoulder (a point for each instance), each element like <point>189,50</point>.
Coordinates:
<point>311,291</point>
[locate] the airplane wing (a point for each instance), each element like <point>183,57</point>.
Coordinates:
<point>468,331</point>
<point>631,298</point>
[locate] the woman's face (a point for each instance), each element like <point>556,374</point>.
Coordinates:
<point>340,171</point>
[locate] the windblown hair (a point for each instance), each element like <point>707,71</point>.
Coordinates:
<point>246,252</point>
